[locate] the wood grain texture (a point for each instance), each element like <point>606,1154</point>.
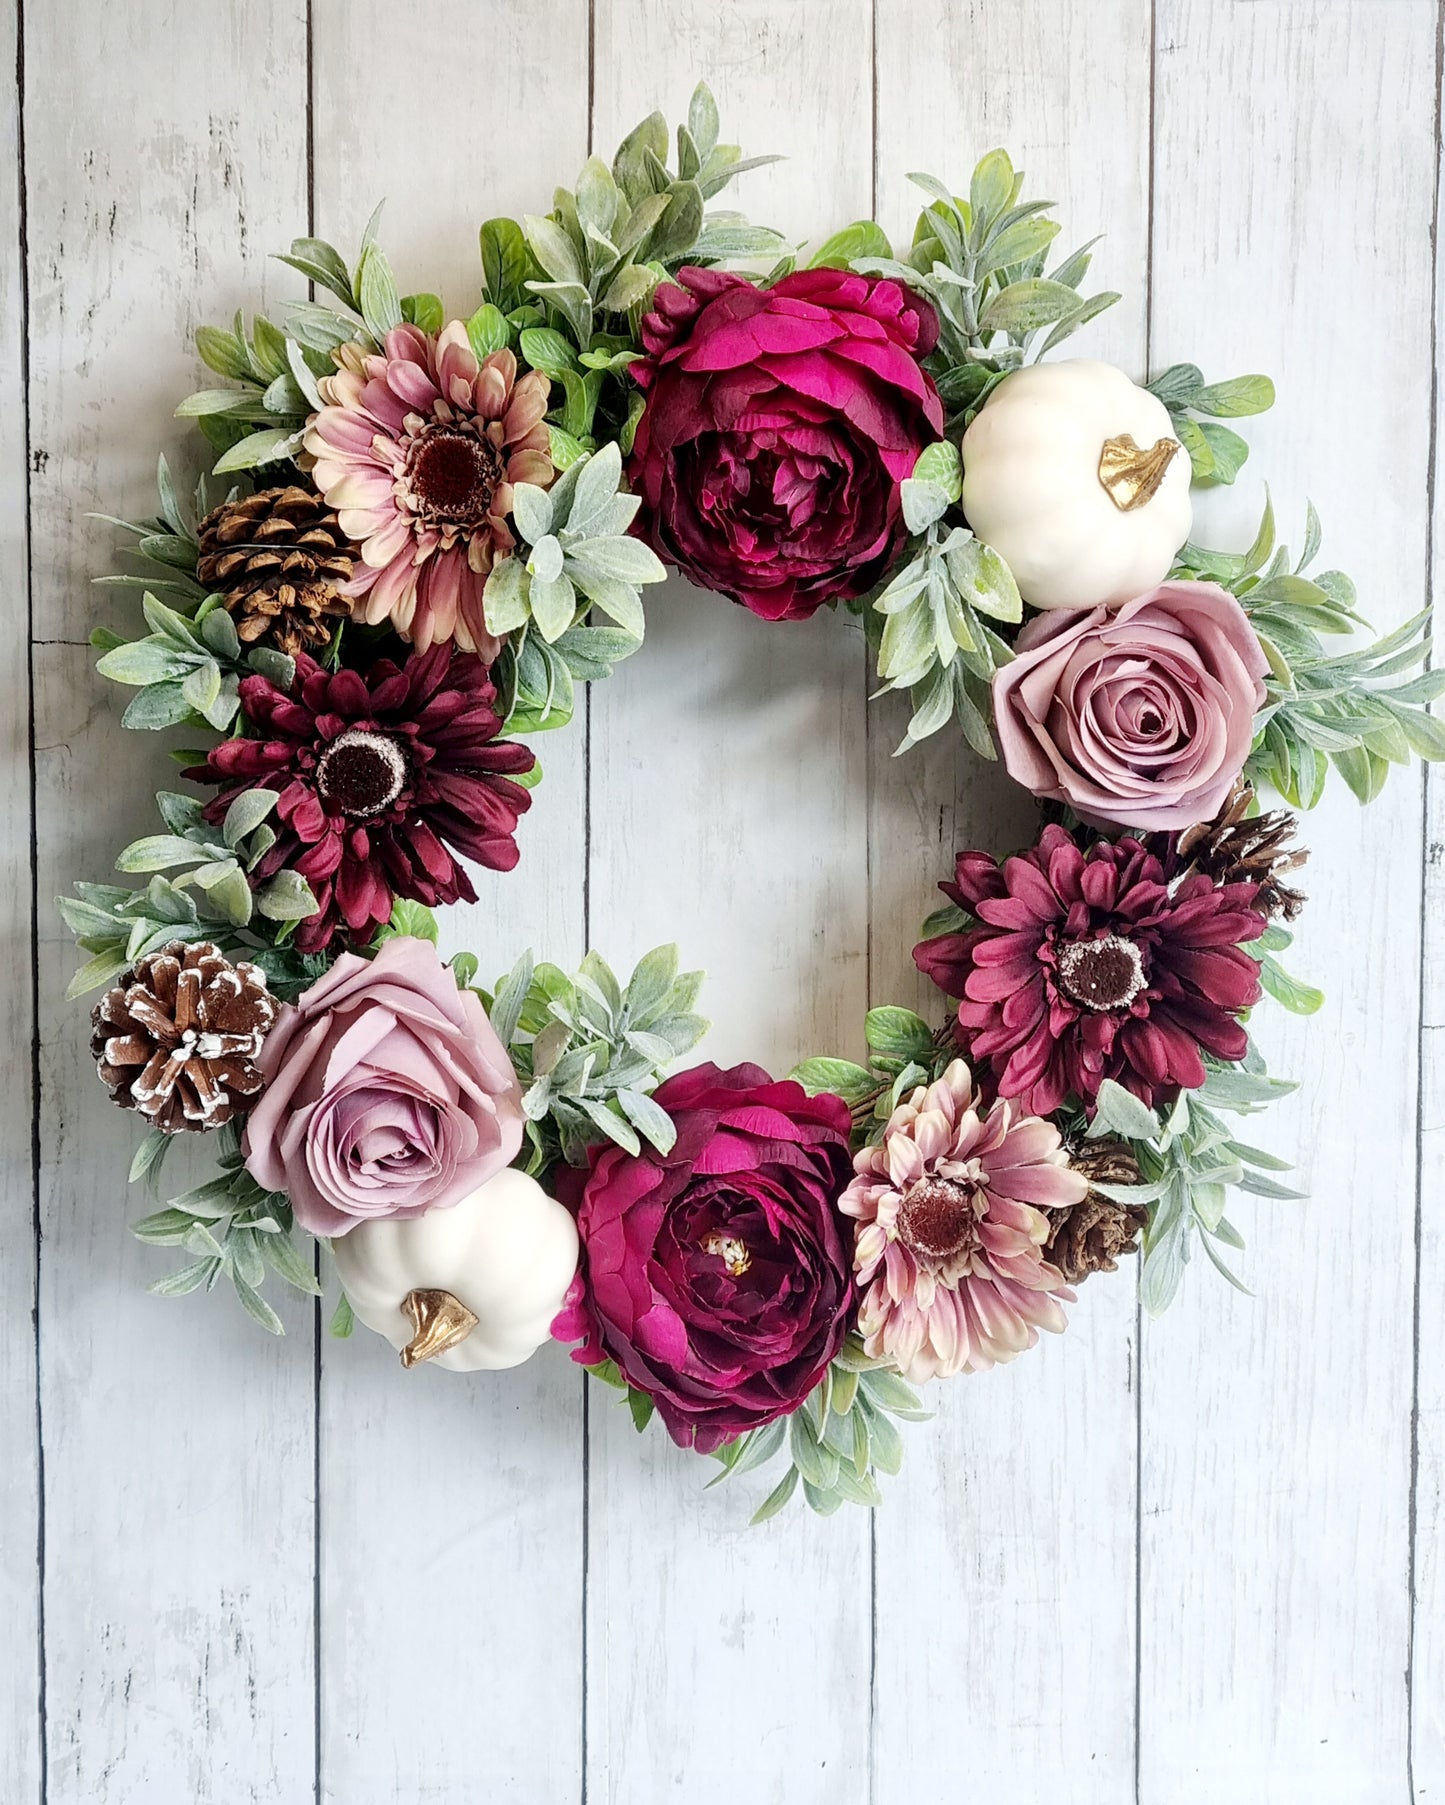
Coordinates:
<point>178,1502</point>
<point>723,1662</point>
<point>20,1740</point>
<point>1427,1653</point>
<point>452,1507</point>
<point>1016,1506</point>
<point>1294,156</point>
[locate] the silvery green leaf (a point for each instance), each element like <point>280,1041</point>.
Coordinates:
<point>256,1306</point>
<point>553,249</point>
<point>777,1498</point>
<point>681,1030</point>
<point>622,560</point>
<point>150,1156</point>
<point>246,814</point>
<point>303,376</point>
<point>549,1046</point>
<point>907,648</point>
<point>629,288</point>
<point>982,576</point>
<point>285,1259</point>
<point>166,1228</point>
<point>702,120</point>
<point>189,1278</point>
<point>505,599</point>
<point>596,977</point>
<point>232,896</point>
<point>95,972</point>
<point>284,395</point>
<point>286,897</point>
<point>222,352</point>
<point>596,195</point>
<point>159,852</point>
<point>652,980</point>
<point>649,1118</point>
<point>377,292</point>
<point>1025,306</point>
<point>1123,1113</point>
<point>651,1049</point>
<point>545,562</point>
<point>890,1392</point>
<point>923,503</point>
<point>269,446</point>
<point>593,487</point>
<point>941,465</point>
<point>553,604</point>
<point>212,401</point>
<point>1163,1270</point>
<point>511,993</point>
<point>321,263</point>
<point>276,667</point>
<point>618,600</point>
<point>532,511</point>
<point>932,707</point>
<point>612,1125</point>
<point>218,630</point>
<point>144,661</point>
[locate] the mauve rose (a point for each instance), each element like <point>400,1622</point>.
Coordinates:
<point>387,1093</point>
<point>1138,716</point>
<point>779,424</point>
<point>716,1275</point>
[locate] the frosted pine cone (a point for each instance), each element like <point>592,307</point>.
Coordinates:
<point>178,1037</point>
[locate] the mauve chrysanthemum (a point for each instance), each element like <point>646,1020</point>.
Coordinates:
<point>382,775</point>
<point>418,448</point>
<point>1091,965</point>
<point>948,1252</point>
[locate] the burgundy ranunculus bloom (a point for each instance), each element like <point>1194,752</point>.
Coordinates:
<point>779,424</point>
<point>716,1276</point>
<point>1089,965</point>
<point>382,776</point>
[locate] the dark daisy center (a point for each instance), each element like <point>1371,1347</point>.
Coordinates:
<point>937,1219</point>
<point>1102,974</point>
<point>361,773</point>
<point>453,475</point>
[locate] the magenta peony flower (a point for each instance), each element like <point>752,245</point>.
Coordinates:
<point>1140,716</point>
<point>715,1275</point>
<point>779,425</point>
<point>418,448</point>
<point>387,1093</point>
<point>379,773</point>
<point>1087,965</point>
<point>949,1246</point>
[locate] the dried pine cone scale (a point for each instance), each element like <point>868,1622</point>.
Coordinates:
<point>1092,1236</point>
<point>279,561</point>
<point>178,1037</point>
<point>1237,848</point>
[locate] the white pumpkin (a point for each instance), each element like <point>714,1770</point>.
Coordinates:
<point>1072,473</point>
<point>471,1287</point>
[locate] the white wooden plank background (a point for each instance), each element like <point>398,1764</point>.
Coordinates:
<point>1205,1561</point>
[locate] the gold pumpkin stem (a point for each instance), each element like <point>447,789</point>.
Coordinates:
<point>1131,476</point>
<point>440,1320</point>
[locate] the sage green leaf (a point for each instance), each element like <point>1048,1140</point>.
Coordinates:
<point>781,1493</point>
<point>222,352</point>
<point>232,896</point>
<point>702,120</point>
<point>864,238</point>
<point>1025,306</point>
<point>623,560</point>
<point>505,264</point>
<point>189,1278</point>
<point>554,605</point>
<point>532,511</point>
<point>630,287</point>
<point>488,331</point>
<point>218,630</point>
<point>1124,1113</point>
<point>649,1118</point>
<point>286,897</point>
<point>256,1306</point>
<point>838,1077</point>
<point>505,601</point>
<point>1228,400</point>
<point>377,292</point>
<point>143,661</point>
<point>246,814</point>
<point>554,250</point>
<point>923,503</point>
<point>285,1259</point>
<point>211,401</point>
<point>257,448</point>
<point>898,1033</point>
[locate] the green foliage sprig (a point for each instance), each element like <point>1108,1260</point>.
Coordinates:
<point>981,262</point>
<point>232,1227</point>
<point>1360,710</point>
<point>1216,453</point>
<point>928,620</point>
<point>590,1050</point>
<point>569,287</point>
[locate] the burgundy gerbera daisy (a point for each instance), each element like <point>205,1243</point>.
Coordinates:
<point>1089,965</point>
<point>383,775</point>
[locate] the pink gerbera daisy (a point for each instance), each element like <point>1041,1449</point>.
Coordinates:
<point>418,448</point>
<point>948,1253</point>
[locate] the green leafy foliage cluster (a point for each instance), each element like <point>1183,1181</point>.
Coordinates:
<point>262,421</point>
<point>930,620</point>
<point>572,284</point>
<point>981,261</point>
<point>903,1052</point>
<point>232,1228</point>
<point>1216,453</point>
<point>590,1050</point>
<point>1360,710</point>
<point>1188,1162</point>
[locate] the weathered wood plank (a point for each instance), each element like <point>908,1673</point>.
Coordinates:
<point>1294,159</point>
<point>20,1727</point>
<point>179,1440</point>
<point>451,1546</point>
<point>1427,1667</point>
<point>1013,1521</point>
<point>727,809</point>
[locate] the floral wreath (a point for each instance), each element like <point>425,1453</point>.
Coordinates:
<point>419,536</point>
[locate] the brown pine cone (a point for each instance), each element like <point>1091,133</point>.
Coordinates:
<point>278,559</point>
<point>1090,1236</point>
<point>179,1035</point>
<point>1235,849</point>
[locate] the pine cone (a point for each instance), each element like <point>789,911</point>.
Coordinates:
<point>278,559</point>
<point>1090,1236</point>
<point>1233,849</point>
<point>178,1037</point>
